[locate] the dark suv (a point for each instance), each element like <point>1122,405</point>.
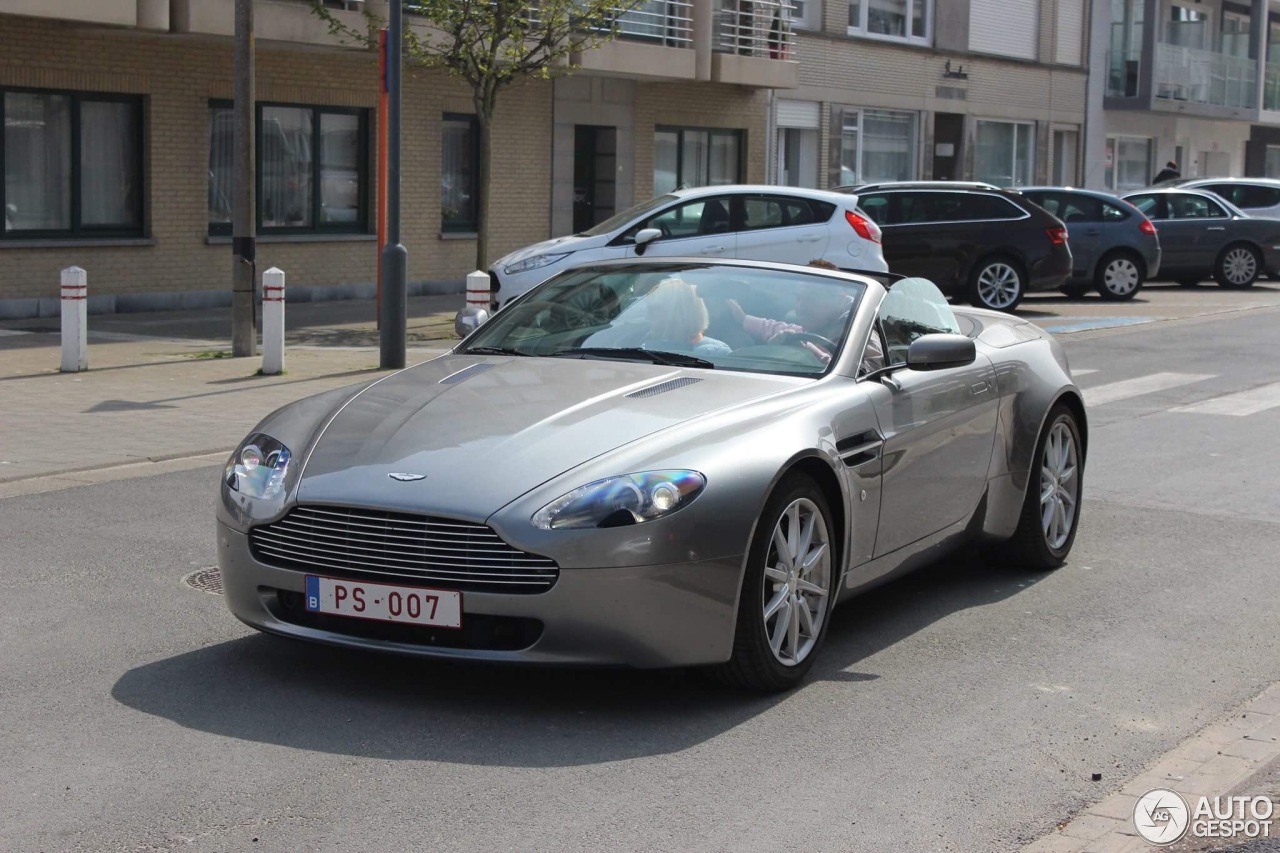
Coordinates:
<point>972,240</point>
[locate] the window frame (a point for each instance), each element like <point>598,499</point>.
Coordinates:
<point>1112,141</point>
<point>810,19</point>
<point>864,11</point>
<point>472,226</point>
<point>840,124</point>
<point>1028,127</point>
<point>361,224</point>
<point>77,230</point>
<point>738,134</point>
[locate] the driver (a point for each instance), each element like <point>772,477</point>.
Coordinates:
<point>820,310</point>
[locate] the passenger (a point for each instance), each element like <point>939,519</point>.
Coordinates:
<point>678,320</point>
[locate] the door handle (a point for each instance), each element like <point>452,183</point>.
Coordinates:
<point>713,250</point>
<point>1216,228</point>
<point>1092,232</point>
<point>812,239</point>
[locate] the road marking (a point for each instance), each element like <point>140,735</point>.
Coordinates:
<point>1115,391</point>
<point>1081,324</point>
<point>1084,372</point>
<point>1240,404</point>
<point>12,333</point>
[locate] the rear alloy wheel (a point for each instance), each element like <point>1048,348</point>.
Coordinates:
<point>787,590</point>
<point>1237,267</point>
<point>1119,277</point>
<point>997,284</point>
<point>1051,509</point>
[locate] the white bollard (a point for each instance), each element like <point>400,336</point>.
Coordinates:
<point>75,320</point>
<point>478,289</point>
<point>273,322</point>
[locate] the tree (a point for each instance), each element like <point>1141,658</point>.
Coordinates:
<point>490,44</point>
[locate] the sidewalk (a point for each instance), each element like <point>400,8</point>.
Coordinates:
<point>162,386</point>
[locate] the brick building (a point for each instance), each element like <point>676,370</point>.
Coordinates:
<point>116,144</point>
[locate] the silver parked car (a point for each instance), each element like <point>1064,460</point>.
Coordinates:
<point>1114,246</point>
<point>656,463</point>
<point>1255,196</point>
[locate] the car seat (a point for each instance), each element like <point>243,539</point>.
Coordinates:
<point>715,219</point>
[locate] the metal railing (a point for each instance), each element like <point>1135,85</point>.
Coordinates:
<point>759,28</point>
<point>1124,69</point>
<point>1205,77</point>
<point>666,22</point>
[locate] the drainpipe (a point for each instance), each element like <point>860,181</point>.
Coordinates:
<point>703,33</point>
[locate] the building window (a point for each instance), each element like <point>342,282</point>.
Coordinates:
<point>1128,163</point>
<point>806,14</point>
<point>905,20</point>
<point>1066,153</point>
<point>459,177</point>
<point>695,157</point>
<point>1002,155</point>
<point>72,165</point>
<point>312,165</point>
<point>876,145</point>
<point>1271,163</point>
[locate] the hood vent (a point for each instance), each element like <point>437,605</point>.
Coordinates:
<point>664,387</point>
<point>465,373</point>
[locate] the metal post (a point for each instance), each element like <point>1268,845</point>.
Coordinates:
<point>273,322</point>
<point>392,311</point>
<point>244,216</point>
<point>75,320</point>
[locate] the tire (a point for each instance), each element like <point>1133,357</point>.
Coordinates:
<point>997,283</point>
<point>1076,289</point>
<point>754,665</point>
<point>1036,544</point>
<point>1237,267</point>
<point>1119,276</point>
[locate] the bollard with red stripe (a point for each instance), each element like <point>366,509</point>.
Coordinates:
<point>75,320</point>
<point>273,322</point>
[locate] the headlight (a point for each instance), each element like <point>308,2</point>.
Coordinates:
<point>258,466</point>
<point>536,262</point>
<point>618,501</point>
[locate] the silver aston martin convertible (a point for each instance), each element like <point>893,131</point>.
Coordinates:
<point>658,463</point>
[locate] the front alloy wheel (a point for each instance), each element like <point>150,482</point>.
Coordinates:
<point>1238,267</point>
<point>1051,509</point>
<point>997,285</point>
<point>1059,487</point>
<point>788,588</point>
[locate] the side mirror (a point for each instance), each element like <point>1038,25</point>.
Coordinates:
<point>644,237</point>
<point>940,351</point>
<point>468,320</point>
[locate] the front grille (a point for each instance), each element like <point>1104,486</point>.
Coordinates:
<point>390,546</point>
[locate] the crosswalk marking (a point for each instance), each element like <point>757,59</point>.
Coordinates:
<point>1115,391</point>
<point>1240,404</point>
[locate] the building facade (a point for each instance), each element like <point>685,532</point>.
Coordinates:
<point>117,144</point>
<point>990,90</point>
<point>1192,81</point>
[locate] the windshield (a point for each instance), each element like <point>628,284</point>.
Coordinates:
<point>698,315</point>
<point>613,223</point>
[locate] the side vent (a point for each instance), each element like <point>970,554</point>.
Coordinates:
<point>664,387</point>
<point>465,373</point>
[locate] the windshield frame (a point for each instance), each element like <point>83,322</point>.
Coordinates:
<point>856,288</point>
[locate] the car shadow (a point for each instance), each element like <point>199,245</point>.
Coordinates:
<point>270,690</point>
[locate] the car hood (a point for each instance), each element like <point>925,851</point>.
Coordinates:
<point>481,431</point>
<point>571,243</point>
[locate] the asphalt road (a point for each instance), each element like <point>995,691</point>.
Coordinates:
<point>963,708</point>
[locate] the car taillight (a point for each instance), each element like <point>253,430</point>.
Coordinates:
<point>1146,227</point>
<point>866,229</point>
<point>1057,236</point>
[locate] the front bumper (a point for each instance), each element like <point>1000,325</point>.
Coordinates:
<point>646,616</point>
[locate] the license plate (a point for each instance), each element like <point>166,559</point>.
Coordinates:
<point>411,605</point>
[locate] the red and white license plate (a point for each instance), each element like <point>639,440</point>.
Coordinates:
<point>413,605</point>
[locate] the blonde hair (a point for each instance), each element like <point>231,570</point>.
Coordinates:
<point>676,312</point>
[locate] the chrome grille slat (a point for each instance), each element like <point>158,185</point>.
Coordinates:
<point>388,545</point>
<point>415,557</point>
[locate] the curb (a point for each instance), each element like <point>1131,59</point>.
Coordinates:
<point>1220,758</point>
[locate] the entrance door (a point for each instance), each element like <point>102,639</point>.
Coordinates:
<point>595,167</point>
<point>948,134</point>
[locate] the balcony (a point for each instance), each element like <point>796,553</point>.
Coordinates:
<point>655,41</point>
<point>143,14</point>
<point>752,44</point>
<point>1205,77</point>
<point>1271,87</point>
<point>274,20</point>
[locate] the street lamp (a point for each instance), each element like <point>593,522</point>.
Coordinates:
<point>392,306</point>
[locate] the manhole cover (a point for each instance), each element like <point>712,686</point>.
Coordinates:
<point>206,580</point>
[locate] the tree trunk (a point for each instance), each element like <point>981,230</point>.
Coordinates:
<point>484,101</point>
